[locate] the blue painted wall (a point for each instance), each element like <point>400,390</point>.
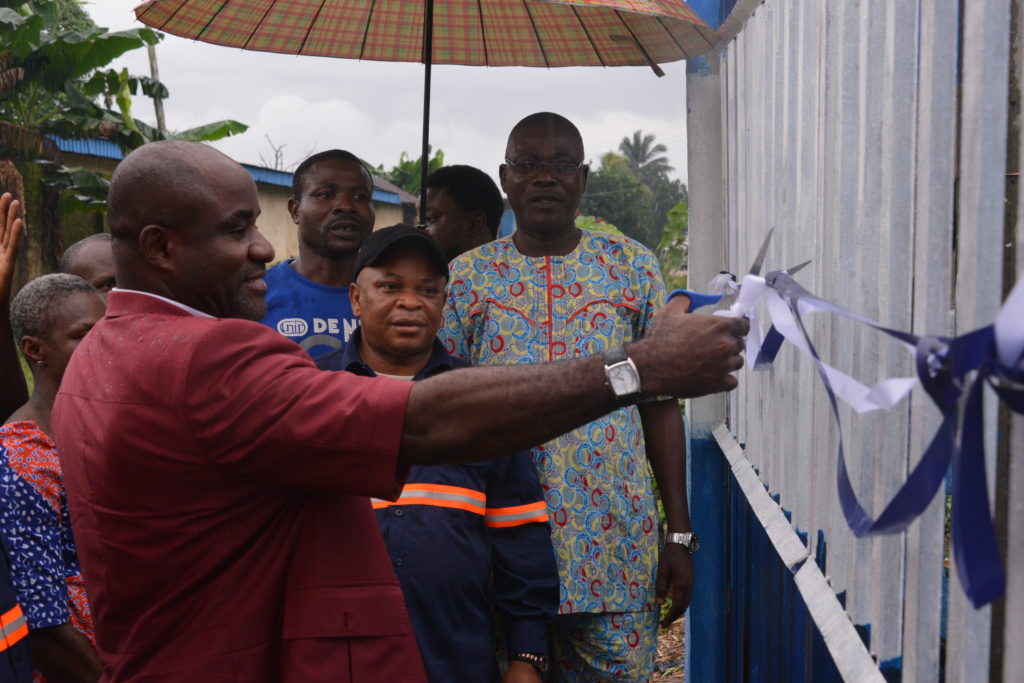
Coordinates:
<point>748,621</point>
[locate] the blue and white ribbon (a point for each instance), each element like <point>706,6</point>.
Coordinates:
<point>953,371</point>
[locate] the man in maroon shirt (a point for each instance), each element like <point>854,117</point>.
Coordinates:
<point>218,481</point>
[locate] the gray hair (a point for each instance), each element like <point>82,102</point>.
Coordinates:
<point>32,311</point>
<point>68,258</point>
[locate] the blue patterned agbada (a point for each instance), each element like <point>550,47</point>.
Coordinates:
<point>507,308</point>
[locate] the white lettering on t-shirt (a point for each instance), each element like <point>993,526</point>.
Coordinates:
<point>292,327</point>
<point>350,327</point>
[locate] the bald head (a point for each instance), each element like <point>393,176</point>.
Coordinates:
<point>183,217</point>
<point>91,259</point>
<point>544,122</point>
<point>162,183</point>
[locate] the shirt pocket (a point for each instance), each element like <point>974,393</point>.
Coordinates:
<point>601,323</point>
<point>508,332</point>
<point>346,612</point>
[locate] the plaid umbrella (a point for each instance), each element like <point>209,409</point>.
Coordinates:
<point>470,32</point>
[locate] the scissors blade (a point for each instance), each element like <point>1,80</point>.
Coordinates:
<point>793,270</point>
<point>755,269</point>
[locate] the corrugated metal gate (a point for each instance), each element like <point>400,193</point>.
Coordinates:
<point>880,138</point>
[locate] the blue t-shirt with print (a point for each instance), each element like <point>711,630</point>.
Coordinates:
<point>316,317</point>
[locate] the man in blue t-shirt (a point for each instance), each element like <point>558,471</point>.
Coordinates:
<point>307,297</point>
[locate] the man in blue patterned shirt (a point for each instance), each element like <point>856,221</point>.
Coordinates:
<point>553,291</point>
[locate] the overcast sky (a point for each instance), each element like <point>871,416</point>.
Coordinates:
<point>374,109</point>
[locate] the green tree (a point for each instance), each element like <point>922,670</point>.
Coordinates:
<point>645,157</point>
<point>673,251</point>
<point>55,82</point>
<point>407,174</point>
<point>597,224</point>
<point>616,189</point>
<point>616,194</point>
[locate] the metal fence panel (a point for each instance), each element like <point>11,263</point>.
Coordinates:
<point>982,169</point>
<point>935,158</point>
<point>873,136</point>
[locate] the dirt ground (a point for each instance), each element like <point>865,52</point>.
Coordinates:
<point>671,643</point>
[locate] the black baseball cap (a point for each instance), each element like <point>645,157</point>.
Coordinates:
<point>380,242</point>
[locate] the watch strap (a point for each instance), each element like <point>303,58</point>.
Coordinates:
<point>615,355</point>
<point>684,539</point>
<point>537,660</point>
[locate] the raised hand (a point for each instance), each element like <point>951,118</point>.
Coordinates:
<point>10,239</point>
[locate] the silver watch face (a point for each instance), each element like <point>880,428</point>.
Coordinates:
<point>623,379</point>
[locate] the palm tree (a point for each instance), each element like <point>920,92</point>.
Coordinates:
<point>644,156</point>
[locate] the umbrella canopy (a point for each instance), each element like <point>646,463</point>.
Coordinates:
<point>468,32</point>
<point>543,33</point>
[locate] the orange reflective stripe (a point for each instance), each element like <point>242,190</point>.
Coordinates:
<point>13,627</point>
<point>10,615</point>
<point>11,639</point>
<point>517,515</point>
<point>443,489</point>
<point>438,495</point>
<point>441,503</point>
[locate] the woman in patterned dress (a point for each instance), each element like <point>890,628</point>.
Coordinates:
<point>50,316</point>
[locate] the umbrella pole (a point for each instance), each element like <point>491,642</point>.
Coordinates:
<point>428,57</point>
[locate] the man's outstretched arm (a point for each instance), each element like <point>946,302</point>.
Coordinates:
<point>482,413</point>
<point>15,392</point>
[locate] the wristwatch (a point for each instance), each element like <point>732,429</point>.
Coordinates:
<point>539,661</point>
<point>621,375</point>
<point>688,540</point>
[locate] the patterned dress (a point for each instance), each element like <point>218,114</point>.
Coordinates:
<point>507,308</point>
<point>36,529</point>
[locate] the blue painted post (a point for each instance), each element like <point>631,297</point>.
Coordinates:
<point>706,620</point>
<point>708,472</point>
<point>713,12</point>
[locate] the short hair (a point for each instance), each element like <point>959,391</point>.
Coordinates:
<point>34,308</point>
<point>299,176</point>
<point>472,190</point>
<point>547,119</point>
<point>68,258</point>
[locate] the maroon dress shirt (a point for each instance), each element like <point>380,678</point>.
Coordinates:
<point>218,485</point>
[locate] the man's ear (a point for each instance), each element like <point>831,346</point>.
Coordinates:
<point>586,174</point>
<point>502,174</point>
<point>156,245</point>
<point>32,347</point>
<point>353,298</point>
<point>293,209</point>
<point>478,224</point>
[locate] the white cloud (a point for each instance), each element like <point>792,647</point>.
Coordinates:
<point>374,109</point>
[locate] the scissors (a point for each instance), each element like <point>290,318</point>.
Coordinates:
<point>741,306</point>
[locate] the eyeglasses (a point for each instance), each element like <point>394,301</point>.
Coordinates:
<point>559,169</point>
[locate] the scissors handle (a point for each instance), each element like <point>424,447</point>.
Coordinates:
<point>697,299</point>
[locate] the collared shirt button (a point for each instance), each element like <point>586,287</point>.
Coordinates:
<point>399,512</point>
<point>399,562</point>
